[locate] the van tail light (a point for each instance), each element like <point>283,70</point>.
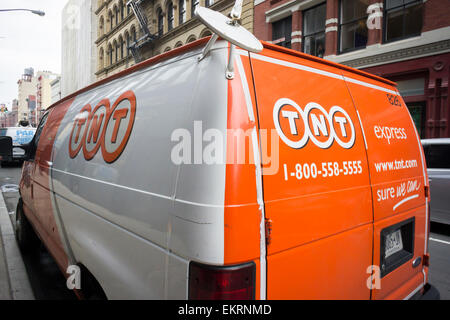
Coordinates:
<point>208,282</point>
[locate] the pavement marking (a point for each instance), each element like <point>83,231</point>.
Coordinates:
<point>439,240</point>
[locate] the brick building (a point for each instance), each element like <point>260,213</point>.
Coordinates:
<point>407,41</point>
<point>130,31</point>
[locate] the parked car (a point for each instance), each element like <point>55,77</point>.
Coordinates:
<point>138,179</point>
<point>437,154</point>
<point>20,136</point>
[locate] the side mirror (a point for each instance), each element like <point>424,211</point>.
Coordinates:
<point>6,147</point>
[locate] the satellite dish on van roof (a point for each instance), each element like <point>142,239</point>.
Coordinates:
<point>229,29</point>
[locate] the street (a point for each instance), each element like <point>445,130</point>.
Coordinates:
<point>47,282</point>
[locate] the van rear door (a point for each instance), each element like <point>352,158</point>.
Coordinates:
<point>398,178</point>
<point>319,201</point>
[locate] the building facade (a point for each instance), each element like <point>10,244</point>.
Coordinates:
<point>44,90</point>
<point>55,85</point>
<point>34,95</point>
<point>407,41</point>
<point>12,114</point>
<point>27,91</point>
<point>78,54</point>
<point>129,32</point>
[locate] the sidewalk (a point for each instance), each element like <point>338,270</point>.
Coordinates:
<point>14,283</point>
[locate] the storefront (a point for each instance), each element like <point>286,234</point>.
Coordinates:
<point>423,83</point>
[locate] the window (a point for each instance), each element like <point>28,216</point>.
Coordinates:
<point>194,5</point>
<point>122,9</point>
<point>182,11</point>
<point>101,65</point>
<point>209,3</point>
<point>160,22</point>
<point>121,48</point>
<point>102,22</point>
<point>116,12</point>
<point>110,55</point>
<point>402,19</point>
<point>110,21</point>
<point>281,32</point>
<point>437,156</point>
<point>35,142</point>
<point>117,52</point>
<point>353,25</point>
<point>128,43</point>
<point>314,30</point>
<point>411,87</point>
<point>170,16</point>
<point>417,111</point>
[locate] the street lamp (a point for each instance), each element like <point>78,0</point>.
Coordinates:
<point>38,12</point>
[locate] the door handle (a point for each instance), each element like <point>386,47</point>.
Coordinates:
<point>417,262</point>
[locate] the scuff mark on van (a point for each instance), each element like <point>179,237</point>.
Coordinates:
<point>197,222</point>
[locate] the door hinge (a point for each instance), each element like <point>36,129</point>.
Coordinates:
<point>268,225</point>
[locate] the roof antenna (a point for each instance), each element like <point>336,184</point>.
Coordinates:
<point>229,29</point>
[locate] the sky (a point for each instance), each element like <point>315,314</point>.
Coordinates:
<point>28,40</point>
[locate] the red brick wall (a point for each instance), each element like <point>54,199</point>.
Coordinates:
<point>436,70</point>
<point>436,14</point>
<point>262,30</point>
<point>260,27</point>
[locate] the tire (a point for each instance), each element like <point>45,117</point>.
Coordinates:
<point>25,235</point>
<point>90,287</point>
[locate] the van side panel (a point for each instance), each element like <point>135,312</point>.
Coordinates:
<point>43,215</point>
<point>319,201</point>
<point>137,220</point>
<point>397,172</point>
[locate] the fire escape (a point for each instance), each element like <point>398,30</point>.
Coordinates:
<point>147,37</point>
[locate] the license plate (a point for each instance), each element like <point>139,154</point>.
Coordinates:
<point>393,243</point>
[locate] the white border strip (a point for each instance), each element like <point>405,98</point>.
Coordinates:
<point>314,70</point>
<point>262,225</point>
<point>369,85</point>
<point>362,129</point>
<point>413,293</point>
<point>248,99</point>
<point>258,175</point>
<point>422,157</point>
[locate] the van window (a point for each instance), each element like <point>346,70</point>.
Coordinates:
<point>37,135</point>
<point>438,156</point>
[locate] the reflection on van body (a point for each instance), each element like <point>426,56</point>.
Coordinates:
<point>101,189</point>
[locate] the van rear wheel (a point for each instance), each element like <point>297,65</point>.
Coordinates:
<point>25,235</point>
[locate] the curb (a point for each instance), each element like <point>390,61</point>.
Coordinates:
<point>19,284</point>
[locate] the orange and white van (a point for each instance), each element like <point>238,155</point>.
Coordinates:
<point>220,173</point>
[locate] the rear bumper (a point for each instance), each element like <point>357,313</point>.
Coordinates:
<point>429,293</point>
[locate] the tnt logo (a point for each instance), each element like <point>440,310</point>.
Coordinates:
<point>296,126</point>
<point>105,127</point>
